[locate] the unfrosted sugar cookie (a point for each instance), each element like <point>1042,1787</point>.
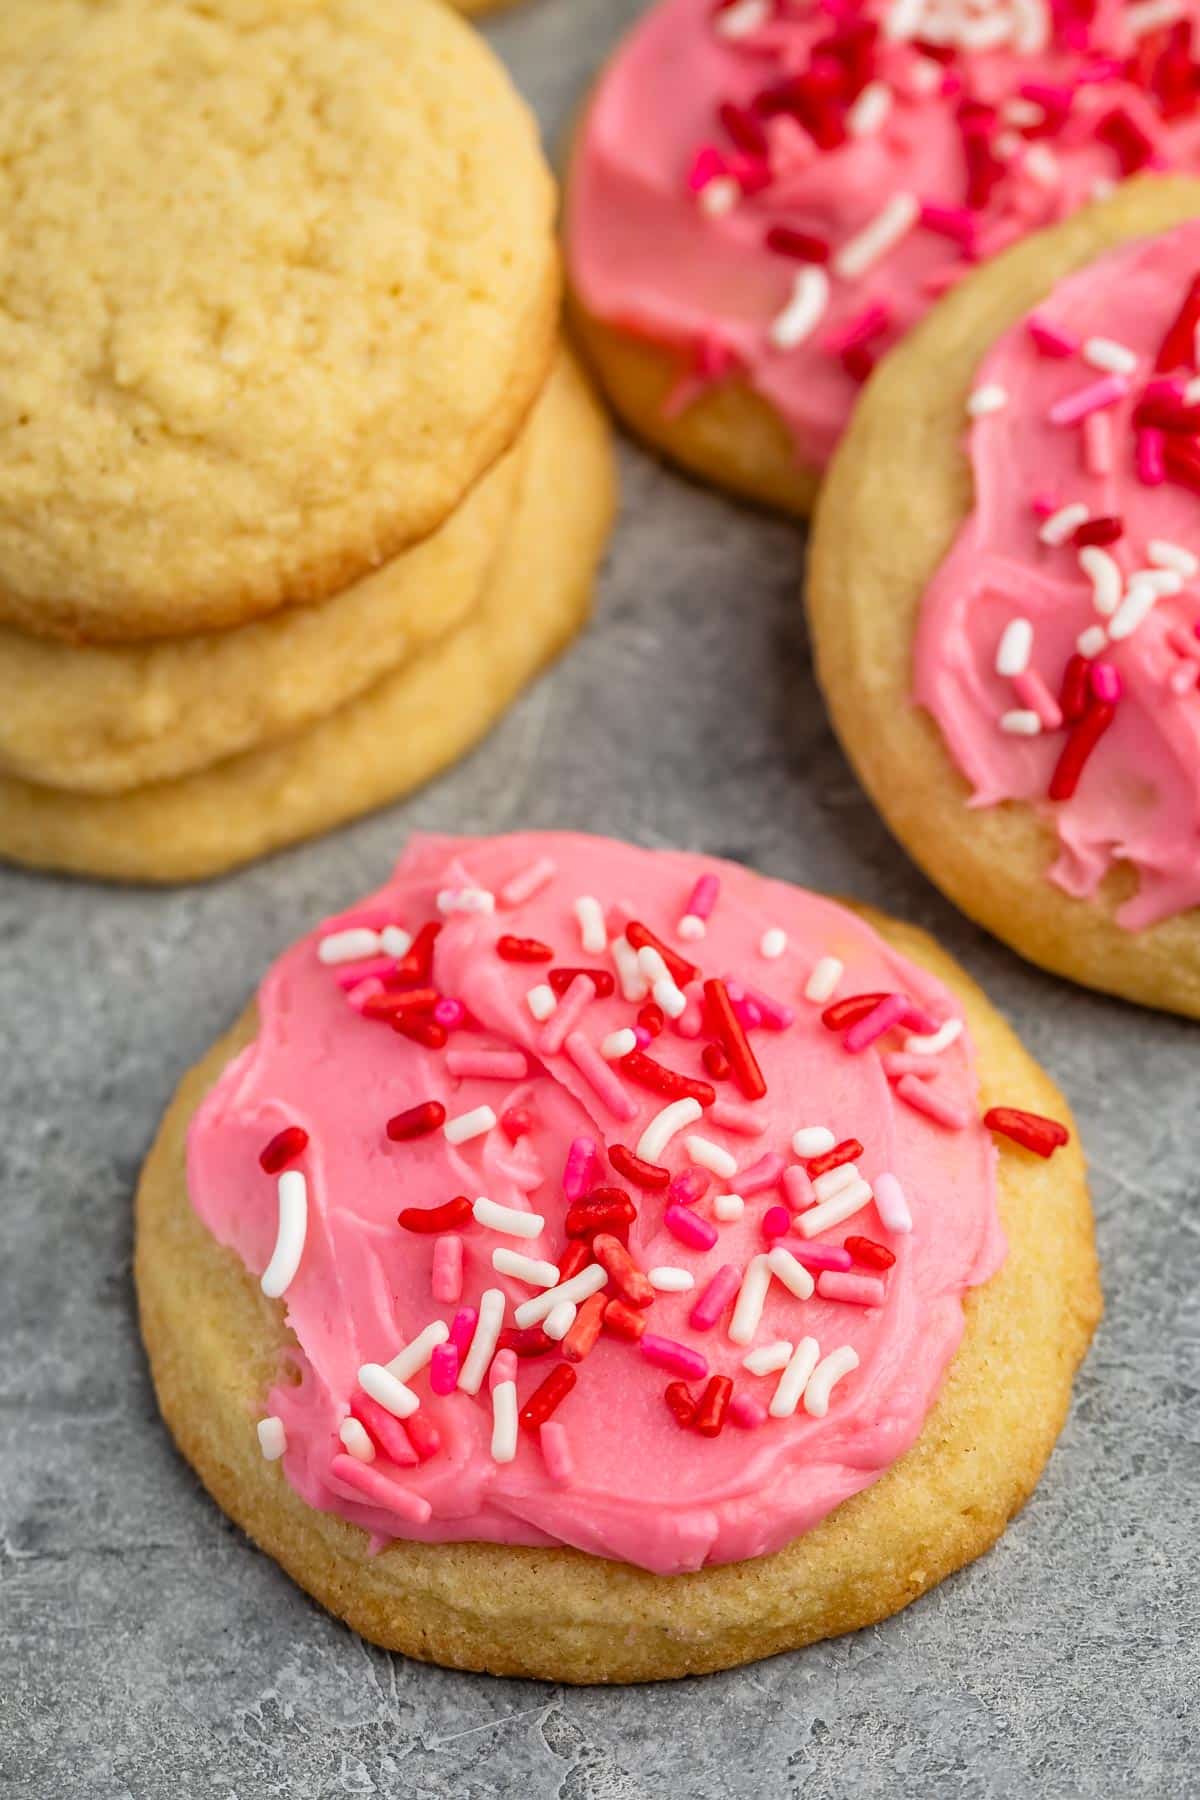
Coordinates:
<point>1010,646</point>
<point>598,1264</point>
<point>765,195</point>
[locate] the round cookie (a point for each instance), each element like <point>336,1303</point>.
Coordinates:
<point>278,284</point>
<point>389,738</point>
<point>893,1496</point>
<point>762,199</point>
<point>884,549</point>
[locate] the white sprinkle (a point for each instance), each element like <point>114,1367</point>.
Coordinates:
<point>768,1359</point>
<point>528,882</point>
<point>618,1044</point>
<point>834,1180</point>
<point>669,1280</point>
<point>395,941</point>
<point>525,1268</point>
<point>1166,555</point>
<point>1106,354</point>
<point>651,964</point>
<point>1139,601</point>
<point>1021,723</point>
<point>593,935</point>
<point>691,929</point>
<point>1191,391</point>
<point>356,1440</point>
<point>830,1370</point>
<point>752,1294</point>
<point>889,225</point>
<point>991,398</point>
<point>1092,642</point>
<point>279,1273</point>
<point>1105,576</point>
<point>1042,166</point>
<point>891,1204</point>
<point>1149,15</point>
<point>1023,113</point>
<point>672,999</point>
<point>791,1271</point>
<point>504,1421</point>
<point>1031,26</point>
<point>833,1212</point>
<point>794,1380</point>
<point>580,1287</point>
<point>823,981</point>
<point>559,1320</point>
<point>272,1437</point>
<point>804,311</point>
<point>466,900</point>
<point>351,945</point>
<point>469,1125</point>
<point>708,1155</point>
<point>773,943</point>
<point>727,1208</point>
<point>391,1394</point>
<point>1064,523</point>
<point>812,1140</point>
<point>720,195</point>
<point>483,1343</point>
<point>507,1219</point>
<point>904,20</point>
<point>541,1001</point>
<point>663,1126</point>
<point>1163,581</point>
<point>1014,649</point>
<point>742,19</point>
<point>934,1042</point>
<point>986,33</point>
<point>634,986</point>
<point>869,111</point>
<point>415,1355</point>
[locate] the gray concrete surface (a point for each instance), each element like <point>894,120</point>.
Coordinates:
<point>147,1650</point>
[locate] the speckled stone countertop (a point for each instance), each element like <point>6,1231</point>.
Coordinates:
<point>146,1649</point>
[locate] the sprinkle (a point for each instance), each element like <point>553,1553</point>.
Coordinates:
<point>1031,1130</point>
<point>466,900</point>
<point>1051,340</point>
<point>507,1219</point>
<point>813,1140</point>
<point>1013,651</point>
<point>852,1290</point>
<point>529,1269</point>
<point>773,943</point>
<point>834,1180</point>
<point>556,1452</point>
<point>667,1279</point>
<point>1150,456</point>
<point>580,1287</point>
<point>827,1372</point>
<point>351,945</point>
<point>443,1369</point>
<point>504,1421</point>
<point>865,1032</point>
<point>991,398</point>
<point>731,1033</point>
<point>577,998</point>
<point>741,19</point>
<point>528,882</point>
<point>834,1212</point>
<point>747,1412</point>
<point>1106,682</point>
<point>728,1208</point>
<point>1064,523</point>
<point>599,1076</point>
<point>593,935</point>
<point>642,1174</point>
<point>847,1151</point>
<point>446,1275</point>
<point>792,1273</point>
<point>1092,642</point>
<point>805,246</point>
<point>618,1044</point>
<point>798,1189</point>
<point>581,1339</point>
<point>933,1043</point>
<point>469,1125</point>
<point>374,1486</point>
<point>712,1406</point>
<point>1104,573</point>
<point>415,1355</point>
<point>1135,608</point>
<point>751,1299</point>
<point>429,1220</point>
<point>1151,15</point>
<point>417,1122</point>
<point>924,1098</point>
<point>1113,358</point>
<point>394,941</point>
<point>282,1149</point>
<point>272,1437</point>
<point>356,1439</point>
<point>664,1125</point>
<point>672,999</point>
<point>769,1359</point>
<point>462,1327</point>
<point>872,1255</point>
<point>548,1397</point>
<point>678,1359</point>
<point>689,1228</point>
<point>714,1298</point>
<point>795,1378</point>
<point>890,224</point>
<point>488,1065</point>
<point>1021,723</point>
<point>634,986</point>
<point>1098,444</point>
<point>483,1341</point>
<point>380,1385</point>
<point>708,1155</point>
<point>1082,401</point>
<point>628,1281</point>
<point>279,1273</point>
<point>730,1115</point>
<point>822,983</point>
<point>1166,555</point>
<point>804,310</point>
<point>869,110</point>
<point>1038,699</point>
<point>772,1014</point>
<point>560,1320</point>
<point>690,928</point>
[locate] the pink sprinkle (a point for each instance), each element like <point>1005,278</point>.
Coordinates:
<point>426,1438</point>
<point>772,1013</point>
<point>446,1274</point>
<point>566,1017</point>
<point>879,1020</point>
<point>689,1186</point>
<point>891,1203</point>
<point>488,1065</point>
<point>1081,401</point>
<point>443,1369</point>
<point>1043,506</point>
<point>899,1062</point>
<point>915,1018</point>
<point>665,1353</point>
<point>556,1450</point>
<point>642,1036</point>
<point>748,1013</point>
<point>797,1185</point>
<point>776,1222</point>
<point>747,1412</point>
<point>707,166</point>
<point>822,1256</point>
<point>1032,692</point>
<point>367,1480</point>
<point>690,1228</point>
<point>449,1013</point>
<point>690,1022</point>
<point>856,1290</point>
<point>1150,457</point>
<point>599,1076</point>
<point>462,1328</point>
<point>732,1115</point>
<point>348,975</point>
<point>503,1368</point>
<point>1106,682</point>
<point>703,897</point>
<point>579,1175</point>
<point>767,1172</point>
<point>924,1097</point>
<point>362,991</point>
<point>528,882</point>
<point>1051,340</point>
<point>858,330</point>
<point>386,1431</point>
<point>954,222</point>
<point>1098,443</point>
<point>719,1293</point>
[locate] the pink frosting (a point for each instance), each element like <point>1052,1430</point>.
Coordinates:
<point>1075,105</point>
<point>618,1476</point>
<point>1138,799</point>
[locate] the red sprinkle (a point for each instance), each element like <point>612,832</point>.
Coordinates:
<point>709,1415</point>
<point>679,968</point>
<point>417,1122</point>
<point>678,1396</point>
<point>603,1210</point>
<point>623,1272</point>
<point>417,962</point>
<point>806,246</point>
<point>285,1147</point>
<point>574,1259</point>
<point>516,1123</point>
<point>581,1338</point>
<point>652,1018</point>
<point>742,1060</point>
<point>715,1061</point>
<point>1122,133</point>
<point>743,128</point>
<point>623,1322</point>
<point>603,982</point>
<point>546,1398</point>
<point>1178,348</point>
<point>523,950</point>
<point>528,1341</point>
<point>849,1150</point>
<point>425,1438</point>
<point>870,1254</point>
<point>1030,1130</point>
<point>776,1222</point>
<point>1084,737</point>
<point>421,1030</point>
<point>1076,686</point>
<point>1104,530</point>
<point>392,1005</point>
<point>850,1010</point>
<point>428,1219</point>
<point>642,1174</point>
<point>649,1074</point>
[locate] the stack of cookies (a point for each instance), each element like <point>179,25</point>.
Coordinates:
<point>285,410</point>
